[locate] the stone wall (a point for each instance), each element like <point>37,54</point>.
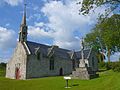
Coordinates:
<point>31,67</point>
<point>40,68</point>
<point>93,60</point>
<point>18,60</point>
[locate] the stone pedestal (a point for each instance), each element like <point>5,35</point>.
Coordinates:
<point>81,73</point>
<point>84,73</point>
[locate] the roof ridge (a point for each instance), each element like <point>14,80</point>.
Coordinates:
<point>48,45</point>
<point>38,43</point>
<point>84,50</point>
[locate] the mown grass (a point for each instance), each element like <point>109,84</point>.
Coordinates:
<point>108,80</point>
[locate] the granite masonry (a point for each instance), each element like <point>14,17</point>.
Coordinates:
<point>34,60</point>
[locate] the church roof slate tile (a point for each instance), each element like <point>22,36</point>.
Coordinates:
<point>33,45</point>
<point>86,54</point>
<point>44,49</point>
<point>63,53</point>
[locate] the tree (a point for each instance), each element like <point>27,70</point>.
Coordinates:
<point>93,40</point>
<point>108,33</point>
<point>111,33</point>
<point>2,65</point>
<point>88,5</point>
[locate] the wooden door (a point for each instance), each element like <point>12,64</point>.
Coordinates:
<point>17,73</point>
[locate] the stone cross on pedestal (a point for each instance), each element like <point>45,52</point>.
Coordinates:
<point>83,71</point>
<point>82,61</point>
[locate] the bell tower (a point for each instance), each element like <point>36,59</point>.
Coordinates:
<point>23,27</point>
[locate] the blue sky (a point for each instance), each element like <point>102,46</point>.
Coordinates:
<point>49,22</point>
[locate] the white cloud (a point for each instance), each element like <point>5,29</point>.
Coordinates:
<point>38,32</point>
<point>7,43</point>
<point>64,24</point>
<point>40,24</point>
<point>7,39</point>
<point>13,2</point>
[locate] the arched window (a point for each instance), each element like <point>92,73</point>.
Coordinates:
<point>73,64</point>
<point>52,63</point>
<point>93,62</point>
<point>38,56</point>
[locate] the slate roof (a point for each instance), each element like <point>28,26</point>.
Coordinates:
<point>32,47</point>
<point>64,53</point>
<point>45,48</point>
<point>86,53</point>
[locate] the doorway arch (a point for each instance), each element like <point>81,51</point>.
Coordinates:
<point>17,73</point>
<point>61,72</point>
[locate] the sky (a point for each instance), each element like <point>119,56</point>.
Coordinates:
<point>50,22</point>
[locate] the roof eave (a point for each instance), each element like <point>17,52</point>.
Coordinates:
<point>28,50</point>
<point>89,53</point>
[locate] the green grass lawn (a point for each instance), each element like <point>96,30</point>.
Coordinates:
<point>108,80</point>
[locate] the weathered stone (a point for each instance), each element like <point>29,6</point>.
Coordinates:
<point>30,67</point>
<point>33,60</point>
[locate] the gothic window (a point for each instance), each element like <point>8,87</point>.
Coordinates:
<point>38,56</point>
<point>93,63</point>
<point>52,63</point>
<point>78,62</point>
<point>73,64</point>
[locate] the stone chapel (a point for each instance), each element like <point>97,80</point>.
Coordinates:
<point>35,60</point>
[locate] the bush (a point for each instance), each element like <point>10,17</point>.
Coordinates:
<point>116,66</point>
<point>108,65</point>
<point>102,65</point>
<point>2,65</point>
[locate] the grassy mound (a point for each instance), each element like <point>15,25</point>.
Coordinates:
<point>108,80</point>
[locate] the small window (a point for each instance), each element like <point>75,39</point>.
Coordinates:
<point>73,64</point>
<point>38,56</point>
<point>51,63</point>
<point>93,63</point>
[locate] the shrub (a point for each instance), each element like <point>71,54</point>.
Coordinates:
<point>2,65</point>
<point>108,65</point>
<point>116,66</point>
<point>102,65</point>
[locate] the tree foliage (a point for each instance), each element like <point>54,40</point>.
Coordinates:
<point>110,30</point>
<point>88,5</point>
<point>105,35</point>
<point>2,65</point>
